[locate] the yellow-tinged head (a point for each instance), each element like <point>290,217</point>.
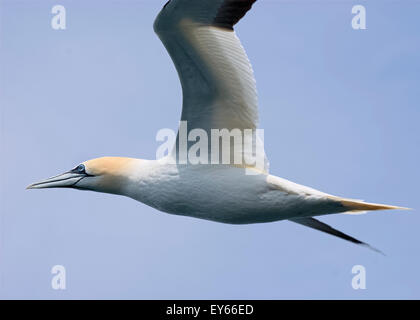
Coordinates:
<point>107,174</point>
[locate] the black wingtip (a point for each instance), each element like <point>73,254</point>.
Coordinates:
<point>231,11</point>
<point>320,226</point>
<point>366,245</point>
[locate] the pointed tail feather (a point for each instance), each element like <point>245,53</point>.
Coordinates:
<point>318,225</point>
<point>360,206</point>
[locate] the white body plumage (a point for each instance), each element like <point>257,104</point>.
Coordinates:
<point>219,92</point>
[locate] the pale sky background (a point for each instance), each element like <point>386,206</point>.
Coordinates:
<point>340,109</point>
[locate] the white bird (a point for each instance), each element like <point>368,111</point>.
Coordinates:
<point>219,92</point>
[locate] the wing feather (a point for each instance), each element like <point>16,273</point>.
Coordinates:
<point>320,226</point>
<point>218,83</point>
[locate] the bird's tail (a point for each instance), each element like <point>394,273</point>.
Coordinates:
<point>358,206</point>
<point>350,206</point>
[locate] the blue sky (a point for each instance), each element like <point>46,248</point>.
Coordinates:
<point>340,110</point>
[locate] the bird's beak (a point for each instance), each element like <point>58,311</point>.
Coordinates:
<point>65,180</point>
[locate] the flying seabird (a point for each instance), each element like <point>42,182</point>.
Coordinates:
<point>219,93</point>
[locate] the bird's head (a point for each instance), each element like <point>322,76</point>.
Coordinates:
<point>108,174</point>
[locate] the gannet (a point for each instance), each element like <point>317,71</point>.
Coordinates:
<point>219,92</point>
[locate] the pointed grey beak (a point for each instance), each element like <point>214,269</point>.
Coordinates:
<point>65,180</point>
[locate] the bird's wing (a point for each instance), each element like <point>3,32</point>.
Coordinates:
<point>318,225</point>
<point>218,83</point>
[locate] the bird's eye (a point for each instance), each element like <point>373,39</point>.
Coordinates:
<point>80,169</point>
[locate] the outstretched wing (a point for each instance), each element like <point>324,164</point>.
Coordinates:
<point>218,83</point>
